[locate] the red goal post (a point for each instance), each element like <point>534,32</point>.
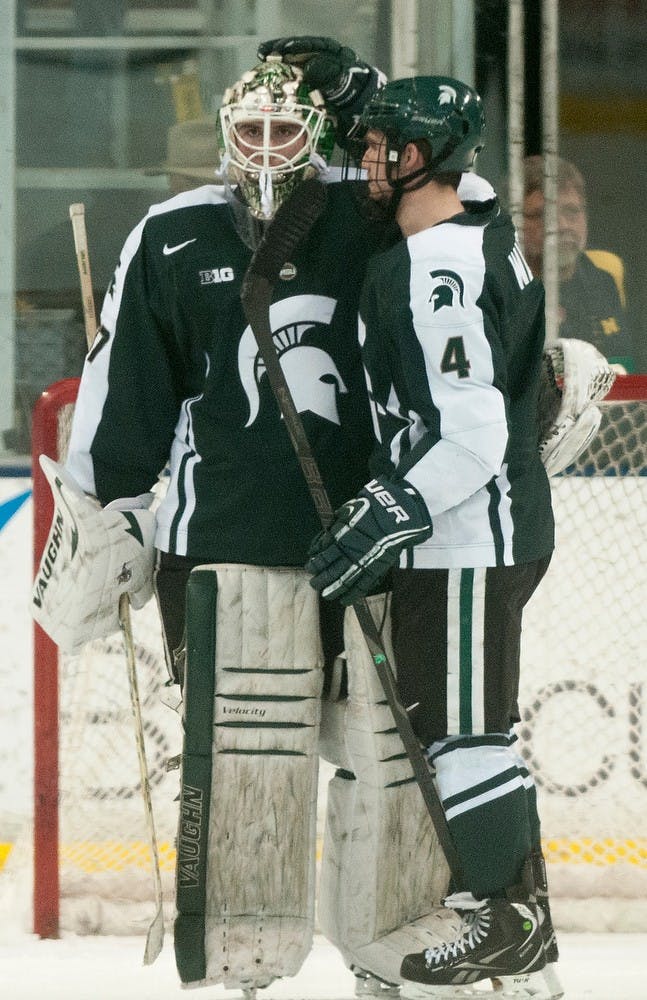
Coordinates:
<point>52,412</point>
<point>582,697</point>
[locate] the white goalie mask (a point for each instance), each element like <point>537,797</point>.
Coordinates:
<point>272,135</point>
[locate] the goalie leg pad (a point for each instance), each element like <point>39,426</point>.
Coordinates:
<point>383,872</point>
<point>246,847</point>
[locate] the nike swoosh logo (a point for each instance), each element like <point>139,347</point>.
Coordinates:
<point>167,250</point>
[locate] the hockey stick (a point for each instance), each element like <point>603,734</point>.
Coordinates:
<point>155,936</point>
<point>77,215</point>
<point>292,222</point>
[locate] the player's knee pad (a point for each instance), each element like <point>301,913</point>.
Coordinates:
<point>246,847</point>
<point>383,871</point>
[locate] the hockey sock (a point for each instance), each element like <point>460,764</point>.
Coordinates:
<point>486,804</point>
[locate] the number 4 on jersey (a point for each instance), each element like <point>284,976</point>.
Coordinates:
<point>454,358</point>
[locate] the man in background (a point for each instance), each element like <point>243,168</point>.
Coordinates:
<point>591,282</point>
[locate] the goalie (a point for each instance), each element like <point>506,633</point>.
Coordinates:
<point>175,380</point>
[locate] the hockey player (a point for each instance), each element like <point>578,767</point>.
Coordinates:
<point>452,333</point>
<point>175,375</point>
<point>175,379</point>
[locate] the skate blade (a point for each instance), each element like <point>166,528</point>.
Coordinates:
<point>543,985</point>
<point>416,991</point>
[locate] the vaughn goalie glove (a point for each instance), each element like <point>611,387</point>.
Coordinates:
<point>575,377</point>
<point>91,557</point>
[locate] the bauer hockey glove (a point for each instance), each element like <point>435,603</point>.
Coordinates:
<point>349,558</point>
<point>345,81</point>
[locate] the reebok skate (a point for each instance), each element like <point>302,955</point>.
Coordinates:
<point>497,939</point>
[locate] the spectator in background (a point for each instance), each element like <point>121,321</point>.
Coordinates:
<point>591,282</point>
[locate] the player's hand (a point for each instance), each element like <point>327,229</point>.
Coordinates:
<point>334,69</point>
<point>345,81</point>
<point>349,558</point>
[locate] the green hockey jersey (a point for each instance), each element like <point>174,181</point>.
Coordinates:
<point>176,380</point>
<point>452,325</point>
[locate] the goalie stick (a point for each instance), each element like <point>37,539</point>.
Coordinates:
<point>77,216</point>
<point>155,935</point>
<point>292,222</point>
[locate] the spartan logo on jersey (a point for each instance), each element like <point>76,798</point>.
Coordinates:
<point>448,289</point>
<point>311,374</point>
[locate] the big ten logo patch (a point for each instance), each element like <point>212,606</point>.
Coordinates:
<point>216,275</point>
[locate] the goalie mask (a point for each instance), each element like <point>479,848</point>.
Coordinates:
<point>272,135</point>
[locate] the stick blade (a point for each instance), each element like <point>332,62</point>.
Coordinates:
<point>154,937</point>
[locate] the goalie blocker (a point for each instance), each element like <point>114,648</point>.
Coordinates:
<point>91,557</point>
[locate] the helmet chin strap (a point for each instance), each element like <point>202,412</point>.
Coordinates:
<point>402,185</point>
<point>423,175</point>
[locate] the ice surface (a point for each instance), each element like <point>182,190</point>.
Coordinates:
<point>593,967</point>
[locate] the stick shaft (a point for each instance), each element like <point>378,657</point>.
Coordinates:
<point>155,936</point>
<point>77,216</point>
<point>256,303</point>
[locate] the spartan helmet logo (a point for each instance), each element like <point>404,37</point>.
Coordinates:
<point>447,94</point>
<point>312,376</point>
<point>448,289</point>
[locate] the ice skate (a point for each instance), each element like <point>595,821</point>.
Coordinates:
<point>498,939</point>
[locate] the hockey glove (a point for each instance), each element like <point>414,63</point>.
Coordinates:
<point>345,81</point>
<point>575,376</point>
<point>349,558</point>
<point>91,557</point>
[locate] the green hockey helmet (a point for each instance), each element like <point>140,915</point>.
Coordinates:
<point>264,167</point>
<point>439,109</point>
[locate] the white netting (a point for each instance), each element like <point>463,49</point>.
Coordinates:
<point>584,680</point>
<point>104,848</point>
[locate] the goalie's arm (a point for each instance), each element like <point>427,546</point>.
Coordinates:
<point>132,387</point>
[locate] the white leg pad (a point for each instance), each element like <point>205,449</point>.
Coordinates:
<point>383,872</point>
<point>246,850</point>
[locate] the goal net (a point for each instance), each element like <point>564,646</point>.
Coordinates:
<point>582,695</point>
<point>583,677</point>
